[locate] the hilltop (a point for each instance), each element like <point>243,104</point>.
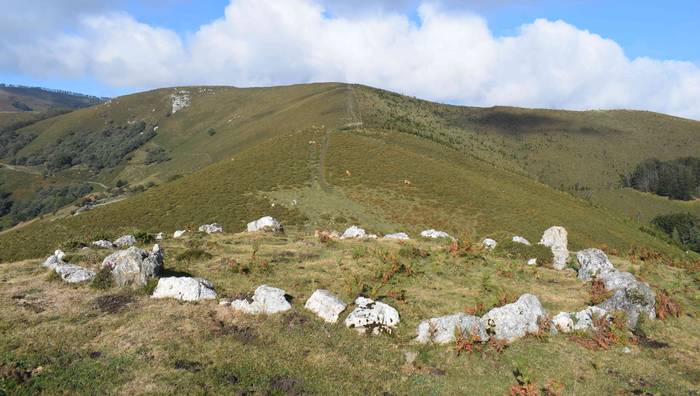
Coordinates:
<point>329,155</point>
<point>19,98</point>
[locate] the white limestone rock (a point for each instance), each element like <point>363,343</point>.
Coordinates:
<point>635,300</point>
<point>265,300</point>
<point>402,236</point>
<point>53,260</point>
<point>616,280</point>
<point>556,238</point>
<point>489,243</point>
<point>72,273</point>
<point>103,244</point>
<point>562,322</point>
<point>134,266</point>
<point>180,100</point>
<point>584,318</point>
<point>443,329</point>
<point>160,236</point>
<point>519,239</point>
<point>211,228</point>
<point>125,241</point>
<point>372,315</point>
<point>532,261</point>
<point>435,234</point>
<point>513,321</point>
<point>325,305</point>
<point>179,233</point>
<point>354,232</point>
<point>593,262</point>
<point>267,224</point>
<point>184,289</point>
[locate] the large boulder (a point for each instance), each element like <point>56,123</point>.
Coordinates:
<point>125,241</point>
<point>593,263</point>
<point>326,305</point>
<point>103,244</point>
<point>521,240</point>
<point>212,228</point>
<point>267,223</point>
<point>435,234</point>
<point>616,280</point>
<point>185,289</point>
<point>515,320</point>
<point>134,266</point>
<point>373,316</point>
<point>489,244</point>
<point>354,232</point>
<point>635,300</point>
<point>402,236</point>
<point>265,300</point>
<point>443,329</point>
<point>72,273</point>
<point>556,239</point>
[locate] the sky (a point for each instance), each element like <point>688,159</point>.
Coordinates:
<point>569,54</point>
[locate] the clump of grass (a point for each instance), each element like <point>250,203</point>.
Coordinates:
<point>605,333</point>
<point>53,276</point>
<point>193,255</point>
<point>359,252</point>
<point>413,252</point>
<point>150,286</point>
<point>521,251</point>
<point>74,244</point>
<point>102,280</point>
<point>144,238</point>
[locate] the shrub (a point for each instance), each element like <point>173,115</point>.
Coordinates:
<point>597,292</point>
<point>144,238</point>
<point>193,254</point>
<point>521,251</point>
<point>211,131</point>
<point>53,276</point>
<point>682,228</point>
<point>156,155</point>
<point>666,306</point>
<point>150,286</point>
<point>102,280</point>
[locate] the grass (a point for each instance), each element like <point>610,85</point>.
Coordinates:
<point>112,342</point>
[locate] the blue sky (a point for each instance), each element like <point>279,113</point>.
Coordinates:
<point>660,31</point>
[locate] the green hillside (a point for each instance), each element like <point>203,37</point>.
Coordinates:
<point>332,155</point>
<point>14,98</point>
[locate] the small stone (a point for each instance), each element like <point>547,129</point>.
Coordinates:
<point>266,300</point>
<point>103,244</point>
<point>399,236</point>
<point>489,243</point>
<point>125,241</point>
<point>264,224</point>
<point>211,228</point>
<point>184,289</point>
<point>435,234</point>
<point>532,261</point>
<point>519,239</point>
<point>179,233</point>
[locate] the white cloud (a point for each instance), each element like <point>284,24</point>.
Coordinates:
<point>448,56</point>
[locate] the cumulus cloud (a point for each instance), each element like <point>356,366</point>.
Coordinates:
<point>444,55</point>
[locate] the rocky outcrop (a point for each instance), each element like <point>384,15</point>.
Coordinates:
<point>354,232</point>
<point>435,234</point>
<point>556,238</point>
<point>635,300</point>
<point>265,300</point>
<point>402,236</point>
<point>134,266</point>
<point>184,289</point>
<point>264,224</point>
<point>125,241</point>
<point>103,244</point>
<point>592,263</point>
<point>70,273</point>
<point>489,244</point>
<point>373,316</point>
<point>211,228</point>
<point>325,305</point>
<point>519,239</point>
<point>442,330</point>
<point>513,321</point>
<point>55,259</point>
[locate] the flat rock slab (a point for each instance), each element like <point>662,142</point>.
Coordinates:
<point>435,234</point>
<point>184,289</point>
<point>442,330</point>
<point>266,300</point>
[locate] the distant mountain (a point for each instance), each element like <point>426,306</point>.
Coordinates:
<point>331,155</point>
<point>17,98</point>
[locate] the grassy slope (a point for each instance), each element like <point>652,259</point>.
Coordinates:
<point>560,148</point>
<point>164,347</point>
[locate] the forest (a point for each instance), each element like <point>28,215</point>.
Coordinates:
<point>676,179</point>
